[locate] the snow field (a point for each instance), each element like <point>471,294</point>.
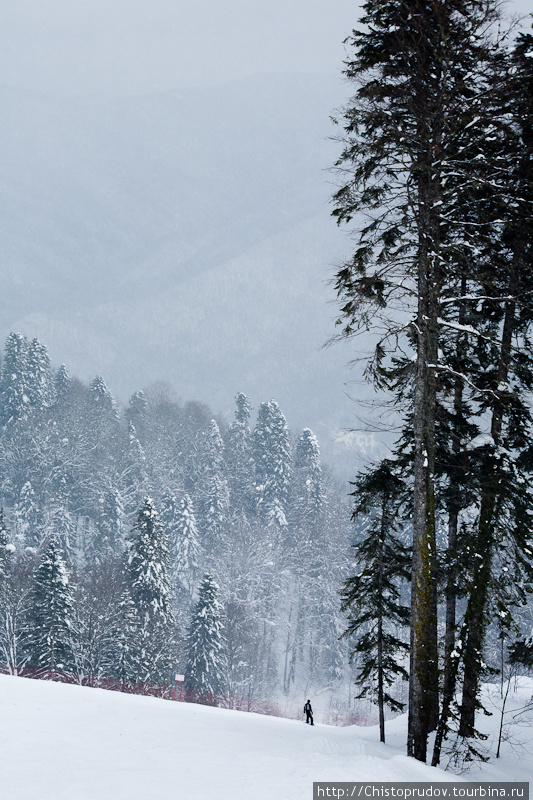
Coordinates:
<point>64,742</point>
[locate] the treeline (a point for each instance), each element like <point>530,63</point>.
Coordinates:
<point>437,174</point>
<point>133,543</point>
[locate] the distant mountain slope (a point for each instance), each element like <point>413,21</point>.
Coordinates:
<point>181,237</point>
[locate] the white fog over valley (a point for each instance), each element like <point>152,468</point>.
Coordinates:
<point>165,201</point>
<point>165,192</point>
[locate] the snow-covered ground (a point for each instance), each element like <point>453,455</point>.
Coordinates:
<point>60,742</point>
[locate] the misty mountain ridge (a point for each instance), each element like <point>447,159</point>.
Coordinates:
<point>184,237</point>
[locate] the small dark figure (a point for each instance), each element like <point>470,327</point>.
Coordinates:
<point>308,711</point>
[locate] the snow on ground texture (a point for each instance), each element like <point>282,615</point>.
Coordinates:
<point>60,741</point>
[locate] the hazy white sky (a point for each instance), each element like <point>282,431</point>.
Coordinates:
<point>72,46</point>
<point>142,45</point>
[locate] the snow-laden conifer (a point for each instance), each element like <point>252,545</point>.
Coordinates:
<point>213,486</point>
<point>188,551</point>
<point>51,614</point>
<point>307,496</point>
<point>272,460</point>
<point>14,389</point>
<point>108,539</point>
<point>40,381</point>
<point>239,457</point>
<point>205,639</point>
<point>62,386</point>
<point>148,565</point>
<point>28,516</point>
<point>372,596</point>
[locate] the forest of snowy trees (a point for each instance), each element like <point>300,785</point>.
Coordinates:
<point>156,539</point>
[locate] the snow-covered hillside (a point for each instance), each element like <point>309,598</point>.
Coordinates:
<point>62,742</point>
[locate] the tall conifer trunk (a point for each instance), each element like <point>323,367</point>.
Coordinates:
<point>476,611</point>
<point>423,683</point>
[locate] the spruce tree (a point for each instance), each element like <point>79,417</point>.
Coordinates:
<point>149,585</point>
<point>148,566</point>
<point>13,605</point>
<point>419,74</point>
<point>372,596</point>
<point>40,382</point>
<point>127,656</point>
<point>108,539</point>
<point>186,543</point>
<point>28,516</point>
<point>272,460</point>
<point>507,363</point>
<point>307,496</point>
<point>62,386</point>
<point>239,457</point>
<point>136,411</point>
<point>205,665</point>
<point>14,389</point>
<point>213,486</point>
<point>51,616</point>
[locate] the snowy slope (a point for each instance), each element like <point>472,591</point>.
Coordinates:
<point>60,741</point>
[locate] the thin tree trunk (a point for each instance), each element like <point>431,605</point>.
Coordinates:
<point>380,625</point>
<point>380,681</point>
<point>476,612</point>
<point>451,664</point>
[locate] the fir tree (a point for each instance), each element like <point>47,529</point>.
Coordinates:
<point>187,552</point>
<point>148,566</point>
<point>14,390</point>
<point>62,386</point>
<point>136,411</point>
<point>214,494</point>
<point>205,666</point>
<point>108,540</point>
<point>307,500</point>
<point>51,613</point>
<point>372,597</point>
<point>40,382</point>
<point>28,516</point>
<point>148,579</point>
<point>126,655</point>
<point>272,459</point>
<point>239,457</point>
<point>420,75</point>
<point>13,605</point>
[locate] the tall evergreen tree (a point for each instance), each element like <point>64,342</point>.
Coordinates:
<point>62,386</point>
<point>108,540</point>
<point>419,70</point>
<point>372,597</point>
<point>272,459</point>
<point>239,457</point>
<point>308,499</point>
<point>28,516</point>
<point>14,389</point>
<point>149,585</point>
<point>186,543</point>
<point>205,641</point>
<point>51,614</point>
<point>40,381</point>
<point>214,493</point>
<point>148,566</point>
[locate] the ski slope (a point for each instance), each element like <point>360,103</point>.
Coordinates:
<point>60,742</point>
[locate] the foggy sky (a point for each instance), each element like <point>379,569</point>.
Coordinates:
<point>135,46</point>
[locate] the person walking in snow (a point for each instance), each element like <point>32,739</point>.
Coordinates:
<point>308,711</point>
